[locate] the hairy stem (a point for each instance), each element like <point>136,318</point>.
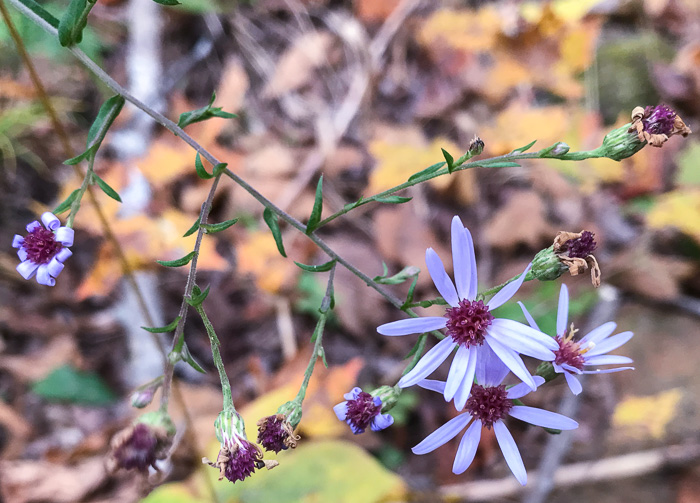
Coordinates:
<point>218,361</point>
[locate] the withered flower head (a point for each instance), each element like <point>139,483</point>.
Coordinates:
<point>142,444</point>
<point>476,146</point>
<point>575,251</point>
<point>656,125</point>
<point>275,433</point>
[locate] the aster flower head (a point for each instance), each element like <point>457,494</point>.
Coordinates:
<point>275,433</point>
<point>488,405</point>
<point>574,250</point>
<point>655,125</point>
<point>237,458</point>
<point>471,328</point>
<point>573,354</point>
<point>361,410</point>
<point>44,249</point>
<point>142,444</point>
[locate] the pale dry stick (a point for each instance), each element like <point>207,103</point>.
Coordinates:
<point>614,468</point>
<point>106,227</point>
<point>177,131</point>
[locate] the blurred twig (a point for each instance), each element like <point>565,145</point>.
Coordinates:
<point>635,464</point>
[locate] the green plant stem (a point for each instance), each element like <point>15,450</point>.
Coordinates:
<point>218,361</point>
<point>75,205</point>
<point>317,337</point>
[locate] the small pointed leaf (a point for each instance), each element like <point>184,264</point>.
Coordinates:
<point>199,167</point>
<point>326,266</point>
<point>271,221</point>
<point>193,229</point>
<point>214,228</point>
<point>393,199</point>
<point>179,262</point>
<point>161,330</point>
<point>427,171</point>
<point>315,217</point>
<point>66,204</point>
<point>106,188</point>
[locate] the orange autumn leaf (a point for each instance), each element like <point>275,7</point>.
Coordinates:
<point>167,159</point>
<point>259,257</point>
<point>465,30</point>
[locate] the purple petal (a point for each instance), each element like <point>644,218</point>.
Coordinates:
<point>17,241</point>
<point>457,371</point>
<point>510,451</point>
<point>511,360</point>
<point>607,371</point>
<point>341,410</point>
<point>609,344</point>
<point>461,259</point>
<point>598,334</point>
<point>544,418</point>
<point>43,277</point>
<point>520,343</point>
<point>565,367</point>
<point>63,255</point>
<point>608,360</point>
<point>432,385</point>
<point>22,254</point>
<point>65,235</point>
<point>574,383</point>
<point>468,381</point>
<point>522,389</point>
<point>442,281</point>
<point>381,422</point>
<point>528,317</point>
<point>490,369</point>
<point>524,330</point>
<point>354,393</point>
<point>55,267</point>
<point>33,225</point>
<point>473,279</point>
<point>27,269</point>
<point>563,311</point>
<point>443,434</point>
<point>430,361</point>
<point>508,291</point>
<point>467,448</point>
<point>413,325</point>
<point>50,221</point>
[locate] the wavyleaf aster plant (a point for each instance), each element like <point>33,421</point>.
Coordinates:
<point>471,328</point>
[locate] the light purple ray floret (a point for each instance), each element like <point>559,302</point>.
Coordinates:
<point>44,249</point>
<point>573,356</point>
<point>360,410</point>
<point>490,374</point>
<point>506,338</point>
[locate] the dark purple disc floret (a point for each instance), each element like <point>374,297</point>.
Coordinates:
<point>581,247</point>
<point>138,450</point>
<point>489,403</point>
<point>658,119</point>
<point>467,323</point>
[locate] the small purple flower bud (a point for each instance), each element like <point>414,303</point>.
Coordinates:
<point>275,433</point>
<point>143,395</point>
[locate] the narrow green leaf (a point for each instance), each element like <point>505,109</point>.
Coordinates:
<point>315,217</point>
<point>204,113</point>
<point>411,290</point>
<point>500,164</point>
<point>179,262</point>
<point>197,297</point>
<point>326,266</point>
<point>161,330</point>
<point>66,203</point>
<point>350,206</point>
<point>214,228</point>
<point>41,12</point>
<point>427,171</point>
<point>193,229</point>
<point>525,148</point>
<point>106,188</point>
<point>98,130</point>
<point>68,384</point>
<point>187,356</point>
<point>73,22</point>
<point>201,172</point>
<point>449,159</point>
<point>271,220</point>
<point>393,199</point>
<point>398,278</point>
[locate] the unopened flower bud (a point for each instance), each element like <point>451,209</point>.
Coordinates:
<point>476,146</point>
<point>143,395</point>
<point>556,150</point>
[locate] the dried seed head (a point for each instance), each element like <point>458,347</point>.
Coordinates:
<point>142,444</point>
<point>655,125</point>
<point>275,433</point>
<point>575,251</point>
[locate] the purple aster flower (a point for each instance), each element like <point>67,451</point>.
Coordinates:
<point>237,458</point>
<point>488,405</point>
<point>360,410</point>
<point>573,355</point>
<point>44,249</point>
<point>471,328</point>
<point>139,446</point>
